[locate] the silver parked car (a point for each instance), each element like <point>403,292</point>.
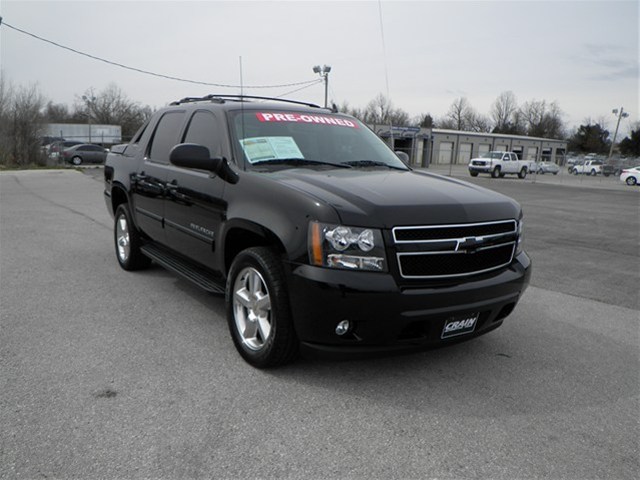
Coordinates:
<point>547,167</point>
<point>85,153</point>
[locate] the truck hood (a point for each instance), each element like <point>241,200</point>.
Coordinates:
<point>389,198</point>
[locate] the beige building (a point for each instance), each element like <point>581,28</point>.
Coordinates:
<point>426,146</point>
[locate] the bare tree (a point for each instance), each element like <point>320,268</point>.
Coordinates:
<point>20,124</point>
<point>380,111</point>
<point>459,113</point>
<point>503,110</point>
<point>112,107</point>
<point>5,101</point>
<point>57,113</point>
<point>476,122</point>
<point>542,119</point>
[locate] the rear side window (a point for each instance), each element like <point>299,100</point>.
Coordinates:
<point>166,136</point>
<point>204,129</point>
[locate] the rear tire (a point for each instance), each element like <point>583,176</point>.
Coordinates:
<point>522,173</point>
<point>128,241</point>
<point>258,313</point>
<point>76,160</point>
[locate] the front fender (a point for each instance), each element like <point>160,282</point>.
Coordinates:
<point>275,211</point>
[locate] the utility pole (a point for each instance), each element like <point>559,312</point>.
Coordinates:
<point>324,73</point>
<point>621,115</point>
<point>88,101</point>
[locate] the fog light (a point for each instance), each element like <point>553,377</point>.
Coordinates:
<point>343,327</point>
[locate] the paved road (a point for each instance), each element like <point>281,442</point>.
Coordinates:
<point>108,374</point>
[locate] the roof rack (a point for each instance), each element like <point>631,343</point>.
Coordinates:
<point>221,98</point>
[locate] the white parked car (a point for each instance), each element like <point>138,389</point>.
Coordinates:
<point>631,176</point>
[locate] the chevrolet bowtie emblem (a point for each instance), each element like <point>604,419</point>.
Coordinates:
<point>468,243</point>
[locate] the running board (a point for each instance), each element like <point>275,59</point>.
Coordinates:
<point>184,268</point>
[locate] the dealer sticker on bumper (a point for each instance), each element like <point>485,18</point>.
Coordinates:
<point>460,325</point>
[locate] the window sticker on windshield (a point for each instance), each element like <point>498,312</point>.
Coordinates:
<point>269,148</point>
<point>305,118</point>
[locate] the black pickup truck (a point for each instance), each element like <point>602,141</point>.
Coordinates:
<point>319,236</point>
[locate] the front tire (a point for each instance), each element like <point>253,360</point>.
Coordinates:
<point>473,174</point>
<point>496,172</point>
<point>258,312</point>
<point>631,181</point>
<point>128,241</point>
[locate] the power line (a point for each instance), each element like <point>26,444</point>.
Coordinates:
<point>146,72</point>
<point>301,88</point>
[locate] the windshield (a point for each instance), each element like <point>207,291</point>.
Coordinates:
<point>492,155</point>
<point>265,137</point>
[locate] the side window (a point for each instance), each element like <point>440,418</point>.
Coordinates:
<point>140,132</point>
<point>204,129</point>
<point>166,136</point>
<point>506,157</point>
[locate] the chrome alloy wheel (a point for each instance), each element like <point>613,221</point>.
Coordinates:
<point>252,308</point>
<point>122,239</point>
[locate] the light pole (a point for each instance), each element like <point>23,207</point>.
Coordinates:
<point>88,101</point>
<point>621,115</point>
<point>324,73</point>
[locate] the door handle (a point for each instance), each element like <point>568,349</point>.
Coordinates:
<point>172,189</point>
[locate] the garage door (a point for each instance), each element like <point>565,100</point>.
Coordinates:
<point>445,152</point>
<point>464,153</point>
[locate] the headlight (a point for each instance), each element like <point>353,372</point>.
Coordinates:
<point>520,245</point>
<point>339,246</point>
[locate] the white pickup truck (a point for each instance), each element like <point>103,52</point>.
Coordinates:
<point>499,164</point>
<point>590,167</point>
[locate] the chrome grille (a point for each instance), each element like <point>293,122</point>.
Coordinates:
<point>442,251</point>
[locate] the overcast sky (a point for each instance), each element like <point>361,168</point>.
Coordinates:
<point>581,54</point>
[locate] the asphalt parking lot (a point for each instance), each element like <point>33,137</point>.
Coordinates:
<point>109,374</point>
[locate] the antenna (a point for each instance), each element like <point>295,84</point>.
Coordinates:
<point>386,69</point>
<point>241,82</point>
<point>242,134</point>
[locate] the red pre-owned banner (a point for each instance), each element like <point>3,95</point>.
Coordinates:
<point>306,118</point>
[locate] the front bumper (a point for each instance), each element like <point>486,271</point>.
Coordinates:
<point>388,317</point>
<point>480,168</point>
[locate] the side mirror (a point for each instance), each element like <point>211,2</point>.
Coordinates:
<point>403,156</point>
<point>191,155</point>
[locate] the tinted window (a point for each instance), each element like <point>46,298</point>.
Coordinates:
<point>165,136</point>
<point>204,129</point>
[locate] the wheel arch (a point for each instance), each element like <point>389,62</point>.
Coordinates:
<point>118,196</point>
<point>239,235</point>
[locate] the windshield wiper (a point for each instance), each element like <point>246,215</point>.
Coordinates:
<point>371,163</point>
<point>298,162</point>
